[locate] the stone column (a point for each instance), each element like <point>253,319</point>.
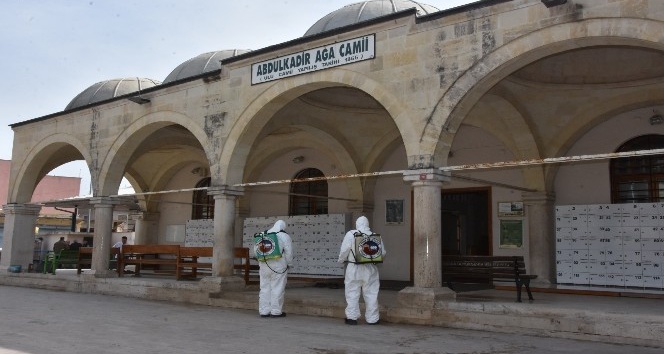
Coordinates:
<point>140,228</point>
<point>19,235</point>
<point>541,235</point>
<point>103,207</point>
<point>427,289</point>
<point>223,275</point>
<point>426,226</point>
<point>144,223</point>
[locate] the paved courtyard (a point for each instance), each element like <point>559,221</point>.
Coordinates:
<point>43,321</point>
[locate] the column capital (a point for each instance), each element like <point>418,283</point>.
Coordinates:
<point>21,209</point>
<point>104,201</point>
<point>426,175</point>
<point>142,215</point>
<point>225,191</point>
<point>137,215</point>
<point>538,197</point>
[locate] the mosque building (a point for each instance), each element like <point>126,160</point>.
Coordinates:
<point>397,111</point>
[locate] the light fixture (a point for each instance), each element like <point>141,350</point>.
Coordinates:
<point>139,99</point>
<point>298,159</point>
<point>656,119</point>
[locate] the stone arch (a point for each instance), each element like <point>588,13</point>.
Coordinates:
<point>455,104</point>
<point>258,113</point>
<point>128,141</point>
<point>49,153</point>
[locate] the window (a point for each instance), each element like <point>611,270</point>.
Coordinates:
<point>308,198</point>
<point>203,204</point>
<point>638,179</point>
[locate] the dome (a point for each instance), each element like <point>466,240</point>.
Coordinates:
<point>108,89</point>
<point>364,11</point>
<point>202,64</point>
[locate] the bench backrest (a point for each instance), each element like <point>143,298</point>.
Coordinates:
<point>86,252</point>
<point>68,256</point>
<point>241,252</point>
<point>157,249</point>
<point>493,266</point>
<point>195,251</point>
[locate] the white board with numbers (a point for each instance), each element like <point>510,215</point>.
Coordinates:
<point>619,245</point>
<point>316,241</point>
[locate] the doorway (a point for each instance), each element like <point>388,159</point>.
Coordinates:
<point>466,225</point>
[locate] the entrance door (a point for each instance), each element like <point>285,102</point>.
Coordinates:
<point>466,226</point>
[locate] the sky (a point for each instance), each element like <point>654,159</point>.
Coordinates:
<point>51,50</point>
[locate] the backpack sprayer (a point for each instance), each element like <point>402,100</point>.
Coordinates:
<point>266,247</point>
<point>368,248</point>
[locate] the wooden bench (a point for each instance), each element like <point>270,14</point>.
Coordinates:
<point>243,262</point>
<point>180,259</point>
<point>486,269</point>
<point>61,259</point>
<point>152,255</point>
<point>189,259</point>
<point>85,258</point>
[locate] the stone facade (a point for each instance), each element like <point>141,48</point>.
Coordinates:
<point>490,82</point>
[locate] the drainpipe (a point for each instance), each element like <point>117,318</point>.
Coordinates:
<point>73,216</point>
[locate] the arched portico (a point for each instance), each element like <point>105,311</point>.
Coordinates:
<point>497,65</point>
<point>122,151</point>
<point>256,115</point>
<point>46,155</point>
<point>538,133</point>
<point>19,226</point>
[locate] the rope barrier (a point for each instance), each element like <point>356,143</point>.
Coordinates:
<point>467,167</point>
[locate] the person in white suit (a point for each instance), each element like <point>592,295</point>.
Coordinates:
<point>274,274</point>
<point>360,279</point>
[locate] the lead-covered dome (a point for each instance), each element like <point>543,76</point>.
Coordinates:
<point>364,11</point>
<point>201,64</point>
<point>108,89</point>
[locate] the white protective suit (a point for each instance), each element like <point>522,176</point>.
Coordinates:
<point>273,274</point>
<point>360,278</point>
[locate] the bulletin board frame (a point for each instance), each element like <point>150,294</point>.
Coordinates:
<point>511,233</point>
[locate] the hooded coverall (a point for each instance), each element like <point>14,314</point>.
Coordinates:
<point>273,274</point>
<point>360,278</point>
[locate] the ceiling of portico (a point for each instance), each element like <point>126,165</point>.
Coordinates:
<point>596,65</point>
<point>560,97</point>
<point>155,157</point>
<point>341,98</point>
<point>349,116</point>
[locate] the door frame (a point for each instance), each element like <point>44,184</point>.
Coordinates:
<point>486,189</point>
<point>489,205</point>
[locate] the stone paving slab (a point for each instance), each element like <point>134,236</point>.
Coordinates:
<point>638,321</point>
<point>57,322</point>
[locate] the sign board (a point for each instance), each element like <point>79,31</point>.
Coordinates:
<point>328,56</point>
<point>510,209</point>
<point>511,233</point>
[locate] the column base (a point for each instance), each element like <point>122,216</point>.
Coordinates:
<point>424,297</point>
<point>216,285</point>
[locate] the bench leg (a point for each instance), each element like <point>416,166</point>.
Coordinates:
<point>527,284</point>
<point>519,284</point>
